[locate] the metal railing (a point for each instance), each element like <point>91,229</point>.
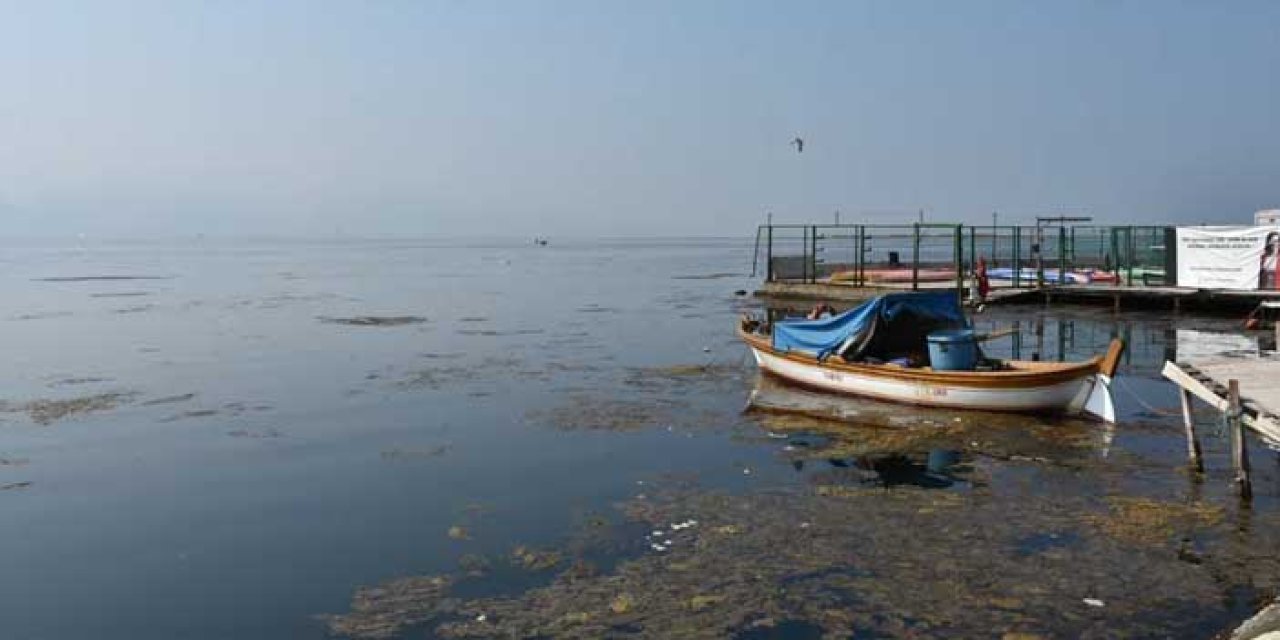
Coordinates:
<point>922,255</point>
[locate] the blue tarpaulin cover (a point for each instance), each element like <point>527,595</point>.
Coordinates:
<point>887,325</point>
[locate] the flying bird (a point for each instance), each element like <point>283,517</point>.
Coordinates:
<point>799,144</point>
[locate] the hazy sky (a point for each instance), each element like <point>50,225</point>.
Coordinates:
<point>621,118</point>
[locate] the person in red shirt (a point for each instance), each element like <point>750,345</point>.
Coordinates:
<point>984,283</point>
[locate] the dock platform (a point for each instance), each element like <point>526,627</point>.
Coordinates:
<point>1119,297</point>
<point>1243,389</point>
<point>1258,377</point>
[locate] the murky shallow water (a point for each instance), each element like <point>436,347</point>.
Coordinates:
<point>374,439</point>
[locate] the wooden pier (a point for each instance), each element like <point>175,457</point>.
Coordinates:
<point>1244,390</point>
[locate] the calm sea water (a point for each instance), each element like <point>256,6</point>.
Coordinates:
<point>233,441</point>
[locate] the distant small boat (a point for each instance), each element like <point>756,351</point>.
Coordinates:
<point>859,353</point>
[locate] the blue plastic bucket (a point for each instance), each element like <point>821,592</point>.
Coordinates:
<point>953,350</point>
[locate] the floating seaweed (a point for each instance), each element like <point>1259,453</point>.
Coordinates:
<point>168,400</point>
<point>46,412</point>
<point>1150,522</point>
<point>416,454</point>
<point>849,561</point>
<point>373,321</point>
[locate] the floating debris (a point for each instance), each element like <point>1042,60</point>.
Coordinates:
<point>1149,522</point>
<point>141,308</point>
<point>595,308</point>
<point>622,603</point>
<point>374,321</point>
<point>260,435</point>
<point>42,315</point>
<point>845,568</point>
<point>458,532</point>
<point>169,400</point>
<point>474,566</point>
<point>709,276</point>
<point>496,332</point>
<point>534,559</point>
<point>383,611</point>
<point>595,413</point>
<point>103,278</point>
<point>416,454</point>
<point>78,381</point>
<point>196,413</point>
<point>15,485</point>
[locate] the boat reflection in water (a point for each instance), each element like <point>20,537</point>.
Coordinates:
<point>856,440</point>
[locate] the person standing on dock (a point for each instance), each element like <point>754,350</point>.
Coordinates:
<point>982,283</point>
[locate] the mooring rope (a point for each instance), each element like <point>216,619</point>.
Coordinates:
<point>1145,405</point>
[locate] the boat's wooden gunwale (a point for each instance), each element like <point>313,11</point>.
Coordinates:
<point>1025,374</point>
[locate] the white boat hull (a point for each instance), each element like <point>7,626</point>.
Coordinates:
<point>1071,396</point>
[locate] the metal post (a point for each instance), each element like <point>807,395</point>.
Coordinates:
<point>1239,451</point>
<point>1115,254</point>
<point>1130,247</point>
<point>810,256</point>
<point>959,258</point>
<point>1017,256</point>
<point>915,256</point>
<point>812,260</point>
<point>813,240</point>
<point>1062,256</point>
<point>862,253</point>
<point>995,230</point>
<point>755,254</point>
<point>1070,248</point>
<point>768,256</point>
<point>1038,250</point>
<point>973,247</point>
<point>1017,339</point>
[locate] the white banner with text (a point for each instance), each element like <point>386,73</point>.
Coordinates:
<point>1228,257</point>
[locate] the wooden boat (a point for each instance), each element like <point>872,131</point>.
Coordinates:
<point>1081,388</point>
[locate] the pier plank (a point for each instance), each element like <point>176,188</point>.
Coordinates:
<point>1208,380</point>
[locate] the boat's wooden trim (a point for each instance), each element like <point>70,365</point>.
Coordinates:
<point>1023,374</point>
<point>1112,360</point>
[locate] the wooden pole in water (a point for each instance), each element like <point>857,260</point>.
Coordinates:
<point>1193,440</point>
<point>1239,452</point>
